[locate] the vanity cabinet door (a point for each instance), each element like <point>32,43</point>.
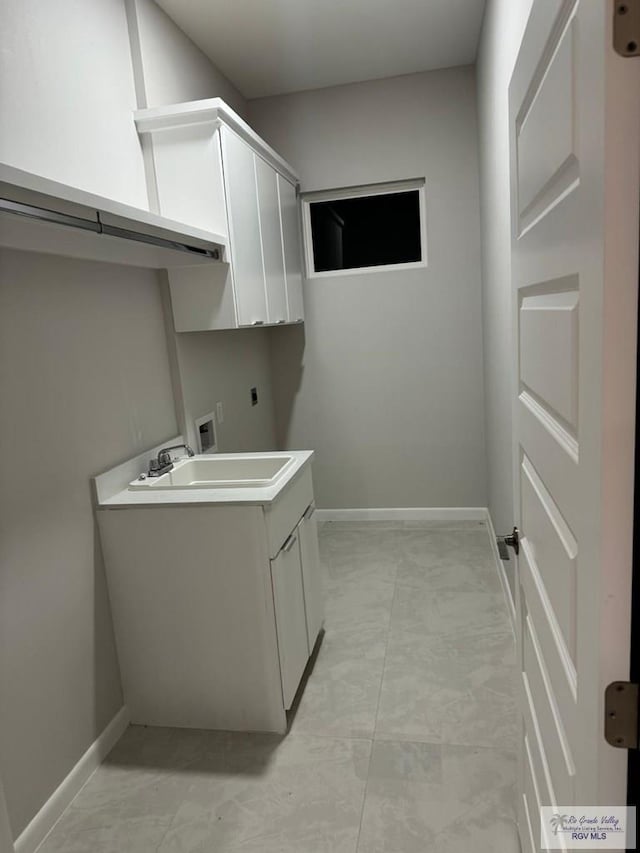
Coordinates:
<point>244,230</point>
<point>311,575</point>
<point>291,249</point>
<point>291,624</point>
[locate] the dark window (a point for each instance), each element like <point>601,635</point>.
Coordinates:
<point>366,231</point>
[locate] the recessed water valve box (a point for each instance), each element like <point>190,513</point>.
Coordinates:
<point>206,433</point>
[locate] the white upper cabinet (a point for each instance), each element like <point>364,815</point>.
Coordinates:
<point>291,249</point>
<point>211,169</point>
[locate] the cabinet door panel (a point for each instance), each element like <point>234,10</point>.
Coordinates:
<point>311,575</point>
<point>288,596</point>
<point>244,227</point>
<point>291,249</point>
<point>272,253</point>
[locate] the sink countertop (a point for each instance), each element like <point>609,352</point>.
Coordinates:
<point>258,495</point>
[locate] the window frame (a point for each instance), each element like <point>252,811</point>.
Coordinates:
<point>387,188</point>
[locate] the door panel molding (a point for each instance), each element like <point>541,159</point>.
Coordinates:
<point>559,754</point>
<point>553,641</point>
<point>558,552</point>
<point>547,172</point>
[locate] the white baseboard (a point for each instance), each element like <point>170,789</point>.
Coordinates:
<point>34,834</point>
<point>501,572</point>
<point>414,513</point>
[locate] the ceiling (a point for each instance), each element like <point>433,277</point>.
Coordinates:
<point>268,47</point>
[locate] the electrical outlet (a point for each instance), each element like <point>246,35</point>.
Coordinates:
<point>220,412</point>
<point>254,396</point>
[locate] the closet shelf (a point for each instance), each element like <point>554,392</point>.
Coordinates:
<point>41,215</point>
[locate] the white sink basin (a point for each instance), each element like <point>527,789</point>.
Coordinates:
<point>210,472</point>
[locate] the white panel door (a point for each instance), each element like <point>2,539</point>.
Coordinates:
<point>291,249</point>
<point>271,233</point>
<point>291,625</point>
<point>311,574</point>
<point>574,176</point>
<point>244,230</point>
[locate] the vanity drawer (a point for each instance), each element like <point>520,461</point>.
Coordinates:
<point>283,515</point>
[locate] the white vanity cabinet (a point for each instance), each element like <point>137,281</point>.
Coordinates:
<point>211,168</point>
<point>216,602</point>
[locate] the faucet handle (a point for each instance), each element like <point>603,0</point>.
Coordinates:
<point>163,462</point>
<point>164,458</point>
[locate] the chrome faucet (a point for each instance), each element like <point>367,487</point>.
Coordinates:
<point>163,462</point>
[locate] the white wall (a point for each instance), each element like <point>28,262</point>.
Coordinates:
<point>224,366</point>
<point>385,379</point>
<point>502,31</point>
<point>84,384</point>
<point>66,90</point>
<point>174,68</point>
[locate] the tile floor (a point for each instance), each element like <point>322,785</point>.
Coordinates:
<point>402,741</point>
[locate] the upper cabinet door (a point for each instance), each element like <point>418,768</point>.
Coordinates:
<point>291,249</point>
<point>272,254</point>
<point>244,227</point>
